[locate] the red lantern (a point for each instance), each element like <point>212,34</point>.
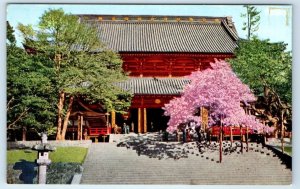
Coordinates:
<point>125,115</point>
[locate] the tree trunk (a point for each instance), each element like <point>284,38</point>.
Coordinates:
<point>66,119</point>
<point>60,107</point>
<point>24,133</point>
<point>79,125</point>
<point>248,23</point>
<point>282,132</point>
<point>266,92</point>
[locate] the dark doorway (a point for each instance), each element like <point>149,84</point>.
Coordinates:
<point>156,120</point>
<point>133,120</point>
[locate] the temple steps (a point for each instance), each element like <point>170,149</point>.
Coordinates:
<point>108,164</point>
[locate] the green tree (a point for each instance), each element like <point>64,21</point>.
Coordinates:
<point>10,34</point>
<point>28,91</point>
<point>267,68</point>
<point>83,66</point>
<point>252,20</point>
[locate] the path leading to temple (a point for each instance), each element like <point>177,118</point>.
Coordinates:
<point>140,160</point>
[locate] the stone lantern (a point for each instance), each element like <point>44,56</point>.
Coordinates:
<point>43,158</point>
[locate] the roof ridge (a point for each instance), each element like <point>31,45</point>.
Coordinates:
<point>151,18</point>
<point>124,15</point>
<point>230,31</point>
<point>154,22</point>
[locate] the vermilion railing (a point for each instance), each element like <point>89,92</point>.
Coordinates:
<point>99,131</point>
<point>215,130</point>
<point>93,130</point>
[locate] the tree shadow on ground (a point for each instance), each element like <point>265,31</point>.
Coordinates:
<point>29,171</point>
<point>153,147</point>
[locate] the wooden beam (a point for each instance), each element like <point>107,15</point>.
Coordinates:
<point>139,120</point>
<point>81,124</point>
<point>204,115</point>
<point>79,127</point>
<point>145,120</point>
<point>113,118</point>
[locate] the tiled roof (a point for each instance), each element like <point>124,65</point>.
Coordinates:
<point>147,85</point>
<point>182,34</point>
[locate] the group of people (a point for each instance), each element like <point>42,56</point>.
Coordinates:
<point>121,130</point>
<point>188,132</point>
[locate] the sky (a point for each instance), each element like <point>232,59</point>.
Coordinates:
<point>275,23</point>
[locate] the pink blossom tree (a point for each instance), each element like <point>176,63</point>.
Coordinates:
<point>219,89</point>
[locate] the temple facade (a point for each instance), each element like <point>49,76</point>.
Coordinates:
<point>157,52</point>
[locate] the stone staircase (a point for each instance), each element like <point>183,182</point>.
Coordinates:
<point>140,161</point>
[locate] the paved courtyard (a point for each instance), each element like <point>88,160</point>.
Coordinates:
<point>144,159</point>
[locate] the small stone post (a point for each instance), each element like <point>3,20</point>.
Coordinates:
<point>43,158</point>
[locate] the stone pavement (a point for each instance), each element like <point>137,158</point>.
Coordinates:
<point>133,159</point>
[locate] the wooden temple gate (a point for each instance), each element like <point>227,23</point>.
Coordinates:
<point>143,104</point>
<point>157,61</point>
<point>87,121</point>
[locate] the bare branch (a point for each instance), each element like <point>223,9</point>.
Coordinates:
<point>8,103</point>
<point>22,115</point>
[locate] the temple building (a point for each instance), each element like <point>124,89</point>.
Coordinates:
<point>157,52</point>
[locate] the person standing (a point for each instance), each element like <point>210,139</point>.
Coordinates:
<point>125,128</point>
<point>188,136</point>
<point>197,128</point>
<point>183,135</point>
<point>152,127</point>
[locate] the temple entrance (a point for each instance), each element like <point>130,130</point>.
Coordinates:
<point>156,120</point>
<point>133,120</point>
<point>150,120</point>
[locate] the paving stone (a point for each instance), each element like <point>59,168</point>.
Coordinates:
<point>165,163</point>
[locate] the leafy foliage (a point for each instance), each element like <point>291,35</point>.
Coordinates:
<point>29,91</point>
<point>267,68</point>
<point>260,64</point>
<point>252,23</point>
<point>10,33</point>
<point>83,66</point>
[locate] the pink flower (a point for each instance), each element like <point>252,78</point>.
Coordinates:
<point>217,88</point>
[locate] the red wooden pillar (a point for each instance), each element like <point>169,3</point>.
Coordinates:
<point>139,120</point>
<point>145,120</point>
<point>231,137</point>
<point>221,142</point>
<point>241,134</point>
<point>247,130</point>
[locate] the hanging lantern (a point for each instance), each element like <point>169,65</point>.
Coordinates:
<point>125,115</point>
